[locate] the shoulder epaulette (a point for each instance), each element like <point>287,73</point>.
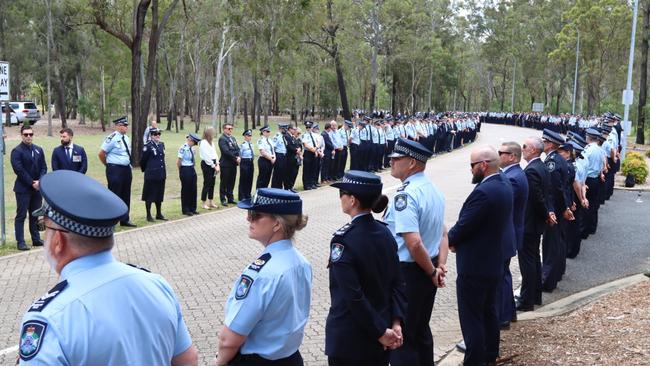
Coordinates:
<point>260,262</point>
<point>42,302</point>
<point>110,137</point>
<point>403,187</point>
<point>139,267</point>
<point>344,229</point>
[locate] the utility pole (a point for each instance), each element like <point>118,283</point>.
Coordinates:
<point>628,94</point>
<point>514,73</point>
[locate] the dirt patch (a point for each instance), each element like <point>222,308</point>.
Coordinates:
<point>613,330</point>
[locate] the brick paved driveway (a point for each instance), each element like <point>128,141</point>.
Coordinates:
<point>203,255</point>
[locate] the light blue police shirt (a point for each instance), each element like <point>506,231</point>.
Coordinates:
<point>594,156</point>
<point>265,144</point>
<point>186,155</point>
<point>410,130</point>
<point>390,133</point>
<point>116,151</point>
<point>343,136</point>
<point>581,170</point>
<point>246,150</point>
<point>354,137</point>
<point>278,144</point>
<point>109,313</point>
<point>335,138</point>
<point>382,136</point>
<point>308,140</point>
<point>418,207</point>
<point>269,302</point>
<point>364,133</point>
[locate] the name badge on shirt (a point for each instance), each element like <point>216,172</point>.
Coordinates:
<point>76,158</point>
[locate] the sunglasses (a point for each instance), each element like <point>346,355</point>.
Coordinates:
<point>504,152</point>
<point>28,134</point>
<point>228,128</point>
<point>41,226</point>
<point>255,215</point>
<point>478,162</point>
<point>155,134</point>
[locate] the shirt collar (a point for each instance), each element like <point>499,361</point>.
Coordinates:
<point>360,215</point>
<point>489,176</point>
<point>86,262</point>
<point>278,246</point>
<point>533,159</point>
<point>69,146</point>
<point>414,177</point>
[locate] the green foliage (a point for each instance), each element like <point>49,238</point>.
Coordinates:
<point>647,153</point>
<point>635,166</point>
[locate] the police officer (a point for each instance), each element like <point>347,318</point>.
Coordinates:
<point>115,154</point>
<point>365,146</point>
<point>280,143</point>
<point>553,244</point>
<point>266,159</point>
<point>415,218</point>
<point>595,165</point>
<point>366,284</point>
<point>187,173</point>
<point>28,162</point>
<point>246,166</point>
<point>122,315</point>
<point>152,163</point>
<point>344,138</point>
<point>230,158</point>
<point>268,306</point>
<point>355,142</point>
<point>310,156</point>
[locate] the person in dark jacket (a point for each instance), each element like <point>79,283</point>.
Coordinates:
<point>28,162</point>
<point>329,153</point>
<point>230,159</point>
<point>478,238</point>
<point>69,156</point>
<point>539,213</point>
<point>152,163</point>
<point>366,285</point>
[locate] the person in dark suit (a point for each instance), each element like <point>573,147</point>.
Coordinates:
<point>329,154</point>
<point>152,163</point>
<point>553,243</point>
<point>509,157</point>
<point>539,213</point>
<point>28,162</point>
<point>478,238</point>
<point>366,285</point>
<point>294,157</point>
<point>230,159</point>
<point>69,156</point>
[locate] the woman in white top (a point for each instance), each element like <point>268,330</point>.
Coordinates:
<point>209,167</point>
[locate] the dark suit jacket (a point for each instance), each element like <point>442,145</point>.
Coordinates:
<point>366,287</point>
<point>482,228</point>
<point>538,205</point>
<point>229,151</point>
<point>60,160</point>
<point>152,161</point>
<point>329,146</point>
<point>559,170</point>
<point>26,167</point>
<point>519,184</point>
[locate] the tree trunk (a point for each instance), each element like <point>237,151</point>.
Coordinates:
<point>233,97</point>
<point>102,104</point>
<point>60,95</point>
<point>80,95</point>
<point>643,78</point>
<point>50,41</point>
<point>245,111</point>
<point>254,110</point>
<point>341,83</point>
<point>393,93</point>
<point>217,80</point>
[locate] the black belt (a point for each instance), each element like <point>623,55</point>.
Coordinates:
<point>247,159</point>
<point>254,357</point>
<point>118,165</point>
<point>405,265</point>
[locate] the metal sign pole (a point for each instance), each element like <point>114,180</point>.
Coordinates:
<point>4,96</point>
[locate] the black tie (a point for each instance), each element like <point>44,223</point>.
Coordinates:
<point>67,153</point>
<point>126,147</point>
<point>191,153</point>
<point>252,152</point>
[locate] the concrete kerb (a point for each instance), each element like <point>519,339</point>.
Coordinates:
<point>560,307</point>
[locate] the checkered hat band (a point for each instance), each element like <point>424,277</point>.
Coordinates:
<point>79,228</point>
<point>406,151</point>
<point>263,201</point>
<point>352,181</point>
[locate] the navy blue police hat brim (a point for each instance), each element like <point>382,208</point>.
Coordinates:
<point>397,155</point>
<point>359,189</point>
<point>275,209</point>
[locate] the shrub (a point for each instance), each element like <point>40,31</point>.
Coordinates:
<point>633,155</point>
<point>647,153</point>
<point>636,167</point>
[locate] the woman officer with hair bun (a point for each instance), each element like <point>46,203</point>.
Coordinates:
<point>366,285</point>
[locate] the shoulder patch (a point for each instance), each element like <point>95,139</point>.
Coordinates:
<point>243,287</point>
<point>138,267</point>
<point>110,137</point>
<point>401,202</point>
<point>403,187</point>
<point>31,338</point>
<point>336,252</point>
<point>260,262</point>
<point>42,302</point>
<point>550,165</point>
<point>344,229</point>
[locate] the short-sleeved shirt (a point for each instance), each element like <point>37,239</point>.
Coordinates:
<point>117,148</point>
<point>581,170</point>
<point>364,133</point>
<point>354,136</point>
<point>265,144</point>
<point>104,312</point>
<point>246,150</point>
<point>344,135</point>
<point>186,155</point>
<point>593,154</point>
<point>418,207</point>
<point>269,302</point>
<point>279,144</point>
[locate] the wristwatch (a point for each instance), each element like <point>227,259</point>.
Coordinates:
<point>435,271</point>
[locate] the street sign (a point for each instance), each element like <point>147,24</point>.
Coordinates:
<point>628,97</point>
<point>4,81</point>
<point>538,107</point>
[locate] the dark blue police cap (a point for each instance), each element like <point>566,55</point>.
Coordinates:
<point>552,136</point>
<point>348,123</point>
<point>273,201</point>
<point>194,137</point>
<point>265,129</point>
<point>122,121</point>
<point>315,126</point>
<point>577,146</point>
<point>80,204</point>
<point>248,132</point>
<point>283,125</point>
<point>155,131</point>
<point>415,150</point>
<point>606,128</point>
<point>592,132</point>
<point>360,183</point>
<point>566,146</point>
<point>308,124</point>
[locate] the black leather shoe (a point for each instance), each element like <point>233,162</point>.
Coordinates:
<point>150,219</point>
<point>522,307</point>
<point>513,319</point>
<point>161,218</point>
<point>23,247</point>
<point>188,214</point>
<point>128,224</point>
<point>37,244</point>
<point>196,212</point>
<point>504,325</point>
<point>460,346</point>
<point>232,202</point>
